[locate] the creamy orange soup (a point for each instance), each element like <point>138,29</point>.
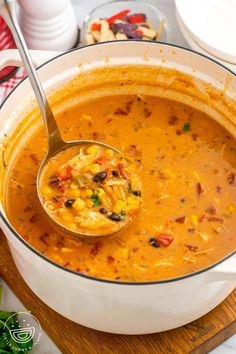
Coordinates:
<point>187,165</point>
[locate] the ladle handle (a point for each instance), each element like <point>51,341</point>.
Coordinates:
<point>7,11</point>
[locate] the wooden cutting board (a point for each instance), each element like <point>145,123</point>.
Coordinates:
<point>198,337</point>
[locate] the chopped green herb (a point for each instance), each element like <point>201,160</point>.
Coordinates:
<point>122,215</point>
<point>186,127</point>
<point>96,200</point>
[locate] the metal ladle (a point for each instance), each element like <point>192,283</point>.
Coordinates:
<point>55,142</point>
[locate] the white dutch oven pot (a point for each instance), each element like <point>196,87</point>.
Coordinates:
<point>127,308</point>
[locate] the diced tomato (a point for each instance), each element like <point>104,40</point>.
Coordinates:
<point>120,167</point>
<point>117,16</point>
<point>138,31</point>
<point>103,160</point>
<point>67,175</point>
<point>62,189</point>
<point>136,19</point>
<point>96,27</point>
<point>165,239</point>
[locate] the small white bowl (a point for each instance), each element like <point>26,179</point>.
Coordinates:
<point>211,23</point>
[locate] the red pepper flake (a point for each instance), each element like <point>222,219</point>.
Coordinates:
<point>96,27</point>
<point>181,220</point>
<point>120,167</point>
<point>165,240</point>
<point>98,136</point>
<point>33,218</point>
<point>62,189</point>
<point>199,189</point>
<point>35,159</point>
<point>125,111</point>
<point>202,218</point>
<point>66,264</point>
<point>96,248</point>
<point>43,238</point>
<point>28,208</point>
<point>232,179</point>
<point>134,150</point>
<point>215,219</point>
<point>195,136</point>
<point>110,259</point>
<point>211,210</point>
<point>179,132</point>
<point>218,189</point>
<point>147,113</point>
<point>78,270</point>
<point>135,249</point>
<point>192,248</point>
<point>117,16</point>
<point>173,120</point>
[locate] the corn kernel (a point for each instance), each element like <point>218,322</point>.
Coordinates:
<point>74,193</point>
<point>194,219</point>
<point>94,168</point>
<point>93,149</point>
<point>119,206</point>
<point>135,183</point>
<point>100,192</point>
<point>109,153</point>
<point>133,202</point>
<point>46,190</point>
<point>79,204</point>
<point>231,208</point>
<point>86,193</point>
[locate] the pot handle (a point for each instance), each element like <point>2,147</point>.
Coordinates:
<point>11,57</point>
<point>225,271</point>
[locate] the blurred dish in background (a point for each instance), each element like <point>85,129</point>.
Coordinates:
<point>211,24</point>
<point>121,20</point>
<point>197,48</point>
<point>6,42</point>
<point>48,25</point>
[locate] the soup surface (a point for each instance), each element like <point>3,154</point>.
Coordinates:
<point>187,165</point>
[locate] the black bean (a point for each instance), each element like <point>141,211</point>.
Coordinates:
<point>191,230</point>
<point>100,176</point>
<point>114,217</point>
<point>69,203</point>
<point>115,173</point>
<point>103,210</point>
<point>137,193</point>
<point>154,243</point>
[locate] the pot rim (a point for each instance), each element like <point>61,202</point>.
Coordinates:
<point>37,253</point>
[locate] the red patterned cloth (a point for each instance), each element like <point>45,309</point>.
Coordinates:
<point>7,86</point>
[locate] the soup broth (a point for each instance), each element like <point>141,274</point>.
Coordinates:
<point>187,166</point>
